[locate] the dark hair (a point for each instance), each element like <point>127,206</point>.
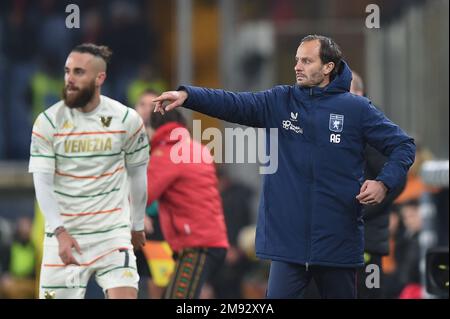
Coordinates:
<point>100,51</point>
<point>157,119</point>
<point>329,52</point>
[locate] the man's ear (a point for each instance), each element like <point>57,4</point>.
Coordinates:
<point>328,68</point>
<point>101,77</point>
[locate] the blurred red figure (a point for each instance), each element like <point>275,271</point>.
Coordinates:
<point>190,207</point>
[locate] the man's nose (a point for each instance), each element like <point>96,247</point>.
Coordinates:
<point>69,80</point>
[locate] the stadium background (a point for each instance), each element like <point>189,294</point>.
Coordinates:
<point>237,45</point>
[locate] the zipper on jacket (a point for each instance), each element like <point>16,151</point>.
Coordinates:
<point>312,186</point>
<point>308,234</point>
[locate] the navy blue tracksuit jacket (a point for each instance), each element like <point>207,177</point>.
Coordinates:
<point>308,212</point>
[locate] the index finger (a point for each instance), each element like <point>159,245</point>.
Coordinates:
<point>164,96</point>
<point>158,99</point>
<point>158,108</point>
<point>171,106</point>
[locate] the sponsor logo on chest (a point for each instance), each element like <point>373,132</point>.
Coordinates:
<point>88,145</point>
<point>292,124</point>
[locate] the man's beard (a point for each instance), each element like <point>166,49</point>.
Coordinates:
<point>313,80</point>
<point>81,98</point>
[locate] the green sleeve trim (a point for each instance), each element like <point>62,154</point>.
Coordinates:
<point>125,117</point>
<point>51,123</point>
<point>139,149</point>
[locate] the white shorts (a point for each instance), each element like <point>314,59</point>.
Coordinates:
<point>112,260</point>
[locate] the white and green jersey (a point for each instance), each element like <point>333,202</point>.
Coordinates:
<point>88,154</point>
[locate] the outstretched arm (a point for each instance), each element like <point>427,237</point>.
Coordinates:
<point>246,108</point>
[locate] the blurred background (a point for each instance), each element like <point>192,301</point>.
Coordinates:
<point>244,45</point>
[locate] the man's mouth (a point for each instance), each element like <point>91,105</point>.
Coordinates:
<point>71,89</point>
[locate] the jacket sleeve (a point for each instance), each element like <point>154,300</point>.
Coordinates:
<point>161,174</point>
<point>250,109</point>
<point>374,164</point>
<point>391,141</point>
<point>374,211</point>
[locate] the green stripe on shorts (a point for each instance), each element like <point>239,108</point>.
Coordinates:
<point>109,270</point>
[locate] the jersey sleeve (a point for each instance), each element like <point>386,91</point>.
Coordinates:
<point>42,153</point>
<point>136,146</point>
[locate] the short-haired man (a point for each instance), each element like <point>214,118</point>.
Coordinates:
<point>310,224</point>
<point>83,151</point>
